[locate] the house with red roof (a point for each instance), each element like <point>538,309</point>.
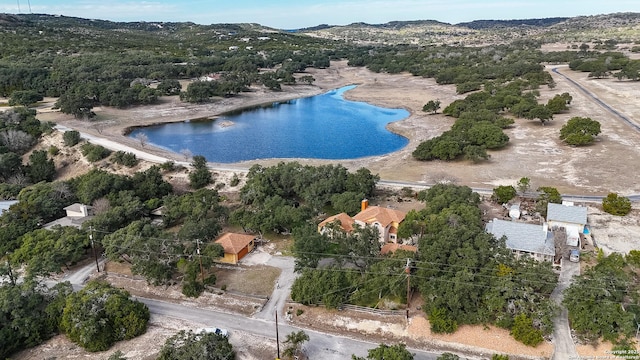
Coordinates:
<point>384,219</point>
<point>236,246</point>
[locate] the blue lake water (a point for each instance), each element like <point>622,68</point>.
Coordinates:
<point>325,126</point>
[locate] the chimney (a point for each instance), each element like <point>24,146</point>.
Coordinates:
<point>364,204</point>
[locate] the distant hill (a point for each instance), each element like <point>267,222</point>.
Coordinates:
<point>489,24</point>
<point>623,27</point>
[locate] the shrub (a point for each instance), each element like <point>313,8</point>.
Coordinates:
<point>125,158</point>
<point>53,150</point>
<point>616,205</point>
<point>168,166</point>
<point>100,315</point>
<point>94,153</point>
<point>71,138</point>
<point>441,322</point>
<point>235,180</point>
<point>524,331</point>
<point>502,194</point>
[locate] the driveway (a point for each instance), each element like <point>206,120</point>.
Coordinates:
<point>281,290</point>
<point>564,346</point>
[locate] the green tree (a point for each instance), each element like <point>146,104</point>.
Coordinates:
<point>80,106</point>
<point>579,131</point>
<point>547,195</point>
<point>93,152</point>
<point>524,331</point>
<point>10,165</point>
<point>169,87</point>
<point>200,176</point>
<point>99,315</point>
<point>71,138</point>
<point>152,254</point>
<point>24,98</point>
<point>29,314</point>
<point>557,104</point>
<point>199,92</point>
<point>197,346</point>
<point>44,252</point>
<point>448,356</point>
<point>475,153</point>
<point>295,341</point>
<point>594,301</point>
<point>616,205</point>
<point>431,106</point>
<point>347,202</point>
<point>40,167</point>
<point>309,247</point>
<point>383,351</point>
<point>503,193</point>
<point>540,112</point>
<point>524,184</point>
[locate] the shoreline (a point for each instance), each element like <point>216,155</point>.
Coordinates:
<point>534,151</point>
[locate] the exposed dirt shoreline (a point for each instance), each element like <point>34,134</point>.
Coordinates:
<point>534,150</point>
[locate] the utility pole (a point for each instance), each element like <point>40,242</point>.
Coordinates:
<point>407,270</point>
<point>277,337</point>
<point>95,255</point>
<point>200,258</point>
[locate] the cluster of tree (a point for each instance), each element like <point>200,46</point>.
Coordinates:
<point>480,120</point>
<point>125,158</point>
<point>100,315</point>
<point>603,301</point>
<point>160,256</point>
<point>600,65</point>
<point>466,276</point>
<point>95,317</point>
<point>85,73</point>
<point>19,132</point>
<point>357,274</point>
<point>286,196</point>
<point>384,351</point>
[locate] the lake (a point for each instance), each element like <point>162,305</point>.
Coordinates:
<point>324,126</point>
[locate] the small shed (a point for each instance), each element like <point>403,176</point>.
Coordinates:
<point>514,211</point>
<point>236,246</point>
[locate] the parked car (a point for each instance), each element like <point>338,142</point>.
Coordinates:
<point>574,256</point>
<point>214,330</point>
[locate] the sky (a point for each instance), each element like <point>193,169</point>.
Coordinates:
<point>293,14</point>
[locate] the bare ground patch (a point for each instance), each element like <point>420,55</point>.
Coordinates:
<point>256,280</point>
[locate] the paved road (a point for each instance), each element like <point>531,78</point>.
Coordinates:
<point>319,346</point>
<point>564,347</point>
<point>597,100</point>
<point>112,145</point>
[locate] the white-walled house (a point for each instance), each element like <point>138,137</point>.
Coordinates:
<point>524,239</point>
<point>76,214</point>
<point>572,218</point>
<point>384,219</point>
